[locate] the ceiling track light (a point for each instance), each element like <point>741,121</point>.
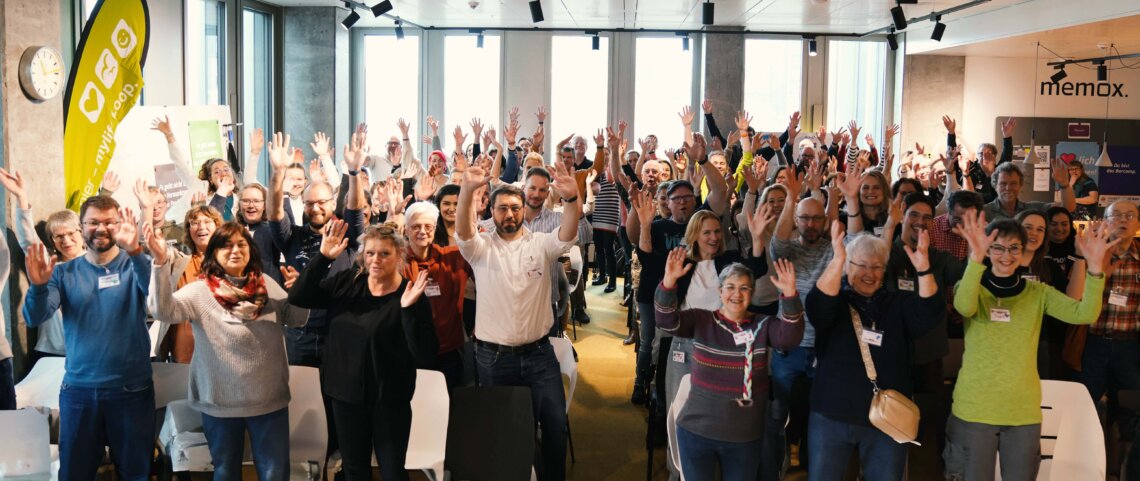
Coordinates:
<point>707,13</point>
<point>812,47</point>
<point>1101,71</point>
<point>939,29</point>
<point>1060,75</point>
<point>899,16</point>
<point>382,8</point>
<point>399,29</point>
<point>536,11</point>
<point>893,41</point>
<point>350,20</point>
<point>596,42</point>
<point>479,40</point>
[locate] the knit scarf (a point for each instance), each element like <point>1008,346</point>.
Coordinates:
<point>244,302</point>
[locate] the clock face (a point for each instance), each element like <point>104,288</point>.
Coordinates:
<point>42,73</point>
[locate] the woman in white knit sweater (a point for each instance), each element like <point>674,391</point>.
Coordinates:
<point>239,376</point>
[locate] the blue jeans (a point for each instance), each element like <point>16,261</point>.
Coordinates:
<point>700,455</point>
<point>7,385</point>
<point>645,349</point>
<point>830,443</point>
<point>787,368</point>
<point>268,439</point>
<point>538,370</point>
<point>91,418</point>
<point>972,450</point>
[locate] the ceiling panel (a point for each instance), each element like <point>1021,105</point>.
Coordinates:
<point>1080,41</point>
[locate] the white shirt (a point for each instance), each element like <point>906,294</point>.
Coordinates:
<point>513,298</point>
<point>704,289</point>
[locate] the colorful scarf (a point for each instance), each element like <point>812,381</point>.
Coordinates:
<point>244,302</point>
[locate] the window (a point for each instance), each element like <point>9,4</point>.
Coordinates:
<point>257,78</point>
<point>856,85</point>
<point>387,96</point>
<point>663,85</point>
<point>579,88</point>
<point>470,83</point>
<point>773,72</point>
<point>205,51</point>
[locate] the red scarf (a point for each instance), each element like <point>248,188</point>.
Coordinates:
<point>244,302</point>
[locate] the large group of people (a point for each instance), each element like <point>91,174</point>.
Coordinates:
<point>775,271</point>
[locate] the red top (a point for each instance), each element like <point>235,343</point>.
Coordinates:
<point>448,270</point>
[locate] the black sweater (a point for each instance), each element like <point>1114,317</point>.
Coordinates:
<point>841,390</point>
<point>374,344</point>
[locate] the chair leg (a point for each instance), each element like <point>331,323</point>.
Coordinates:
<point>570,438</point>
<point>574,327</point>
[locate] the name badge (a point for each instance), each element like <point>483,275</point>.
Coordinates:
<point>872,337</point>
<point>679,356</point>
<point>906,284</point>
<point>432,289</point>
<point>109,280</point>
<point>1118,299</point>
<point>742,337</point>
<point>999,315</point>
<point>878,231</point>
<point>535,273</point>
<point>1030,277</point>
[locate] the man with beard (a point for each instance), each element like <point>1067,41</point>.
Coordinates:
<point>513,315</point>
<point>301,244</point>
<point>107,396</point>
<point>1008,180</point>
<point>811,252</point>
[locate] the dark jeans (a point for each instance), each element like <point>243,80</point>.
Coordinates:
<point>451,365</point>
<point>538,370</point>
<point>306,346</point>
<point>91,418</point>
<point>373,427</point>
<point>797,365</point>
<point>645,349</point>
<point>268,439</point>
<point>1107,366</point>
<point>831,443</point>
<point>700,455</point>
<point>7,386</point>
<point>972,451</point>
<point>605,259</point>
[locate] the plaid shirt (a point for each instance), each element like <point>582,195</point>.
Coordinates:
<point>944,239</point>
<point>1125,280</point>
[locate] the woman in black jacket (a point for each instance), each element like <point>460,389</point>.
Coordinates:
<point>380,331</point>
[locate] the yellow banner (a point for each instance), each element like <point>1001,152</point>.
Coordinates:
<point>106,79</point>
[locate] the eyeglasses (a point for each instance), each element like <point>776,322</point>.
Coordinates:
<point>1000,250</point>
<point>683,198</point>
<point>863,267</point>
<point>1120,216</point>
<point>808,219</point>
<point>514,209</point>
<point>61,236</point>
<point>202,222</point>
<point>916,215</point>
<point>107,224</point>
<point>313,203</point>
<point>251,201</point>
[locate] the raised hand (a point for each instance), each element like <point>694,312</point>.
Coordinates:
<point>920,255</point>
<point>155,244</point>
<point>39,264</point>
<point>794,183</point>
<point>892,131</point>
<point>814,175</point>
<point>643,205</point>
<point>675,267</point>
<point>622,126</point>
<point>289,275</point>
<point>414,289</point>
<point>785,277</point>
<point>1096,245</point>
<point>1061,172</point>
<point>895,211</point>
<point>111,182</point>
<point>425,188</point>
<point>127,238</point>
<point>460,138</point>
<point>838,232</point>
<point>837,136</point>
<point>197,199</point>
<point>734,137</point>
<point>256,141</point>
<point>333,240</point>
<point>433,124</point>
<point>477,128</point>
<point>707,107</point>
<point>644,144</point>
<point>759,220</point>
<point>697,150</point>
<point>13,181</point>
<point>361,128</point>
<point>541,115</point>
<point>1008,126</point>
<point>949,123</point>
<point>356,152</point>
<point>564,182</point>
<point>849,185</point>
<point>403,126</point>
<point>225,185</point>
<point>794,124</point>
<point>687,115</point>
<point>163,125</point>
<point>822,134</point>
<point>512,131</point>
<point>973,229</point>
<point>600,138</point>
<point>562,143</point>
<point>870,141</point>
<point>474,176</point>
<point>320,145</point>
<point>743,120</point>
<point>919,150</point>
<point>279,151</point>
<point>854,128</point>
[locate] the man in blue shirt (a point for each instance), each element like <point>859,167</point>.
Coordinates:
<point>107,396</point>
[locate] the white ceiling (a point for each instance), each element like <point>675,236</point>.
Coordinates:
<point>817,16</point>
<point>1080,41</point>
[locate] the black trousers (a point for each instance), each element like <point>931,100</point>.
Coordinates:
<point>605,257</point>
<point>377,427</point>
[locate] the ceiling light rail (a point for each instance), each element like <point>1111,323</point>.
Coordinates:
<point>936,16</point>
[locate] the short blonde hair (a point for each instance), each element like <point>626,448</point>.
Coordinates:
<point>389,232</point>
<point>693,231</point>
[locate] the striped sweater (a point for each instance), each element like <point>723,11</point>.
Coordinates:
<point>718,364</point>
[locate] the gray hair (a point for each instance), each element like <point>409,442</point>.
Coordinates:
<point>422,208</point>
<point>867,244</point>
<point>735,269</point>
<point>63,218</point>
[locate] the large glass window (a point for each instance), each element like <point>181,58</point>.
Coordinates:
<point>856,85</point>
<point>257,78</point>
<point>579,87</point>
<point>470,82</point>
<point>663,85</point>
<point>387,96</point>
<point>773,73</point>
<point>205,52</point>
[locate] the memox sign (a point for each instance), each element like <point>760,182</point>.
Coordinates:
<point>1083,89</point>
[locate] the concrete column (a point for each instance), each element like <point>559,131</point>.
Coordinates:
<point>933,87</point>
<point>724,76</point>
<point>316,83</point>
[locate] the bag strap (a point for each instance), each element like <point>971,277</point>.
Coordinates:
<point>868,363</point>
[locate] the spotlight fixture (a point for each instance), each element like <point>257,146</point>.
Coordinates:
<point>899,17</point>
<point>399,29</point>
<point>350,20</point>
<point>939,29</point>
<point>812,47</point>
<point>1060,75</point>
<point>1101,72</point>
<point>596,42</point>
<point>479,40</point>
<point>707,13</point>
<point>382,8</point>
<point>685,43</point>
<point>535,11</point>
<point>893,41</point>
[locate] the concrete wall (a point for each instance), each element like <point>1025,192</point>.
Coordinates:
<point>316,76</point>
<point>932,87</point>
<point>724,78</point>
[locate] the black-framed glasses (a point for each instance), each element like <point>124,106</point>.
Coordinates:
<point>1000,250</point>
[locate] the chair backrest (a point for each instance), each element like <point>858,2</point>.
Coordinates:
<point>1070,433</point>
<point>490,423</point>
<point>564,351</point>
<point>308,427</point>
<point>171,382</point>
<point>576,263</point>
<point>671,421</point>
<point>431,409</point>
<point>40,388</point>
<point>25,448</point>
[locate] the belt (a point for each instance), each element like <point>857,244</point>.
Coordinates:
<point>1118,335</point>
<point>523,349</point>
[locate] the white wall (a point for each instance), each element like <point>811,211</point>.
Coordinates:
<point>1005,86</point>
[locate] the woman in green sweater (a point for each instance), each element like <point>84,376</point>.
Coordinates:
<point>997,397</point>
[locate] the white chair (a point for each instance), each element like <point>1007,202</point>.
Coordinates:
<point>171,382</point>
<point>427,444</point>
<point>564,351</point>
<point>41,386</point>
<point>671,422</point>
<point>308,427</point>
<point>25,447</point>
<point>1072,441</point>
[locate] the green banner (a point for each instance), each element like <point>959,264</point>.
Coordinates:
<point>105,82</point>
<point>205,142</point>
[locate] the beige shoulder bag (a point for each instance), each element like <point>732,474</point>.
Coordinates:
<point>891,411</point>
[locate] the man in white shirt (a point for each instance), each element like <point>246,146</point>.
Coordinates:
<point>513,265</point>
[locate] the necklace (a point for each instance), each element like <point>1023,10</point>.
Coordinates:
<point>999,286</point>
